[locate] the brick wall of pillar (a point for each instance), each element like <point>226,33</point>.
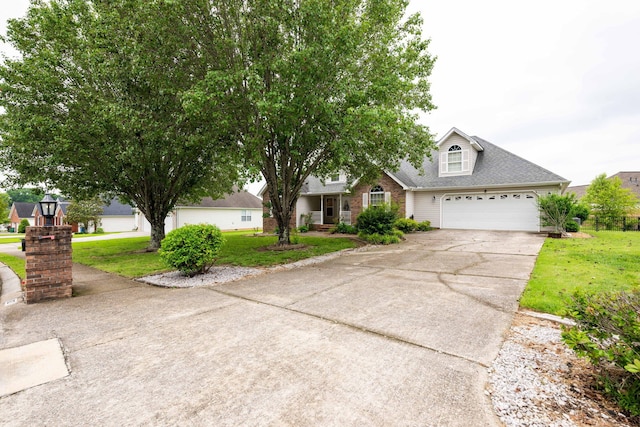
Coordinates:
<point>48,263</point>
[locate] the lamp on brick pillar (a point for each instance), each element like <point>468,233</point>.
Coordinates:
<point>48,208</point>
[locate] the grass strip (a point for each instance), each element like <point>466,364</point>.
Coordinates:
<point>607,262</point>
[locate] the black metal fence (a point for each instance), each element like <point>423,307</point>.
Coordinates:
<point>608,223</point>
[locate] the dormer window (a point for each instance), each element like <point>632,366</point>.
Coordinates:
<point>454,159</point>
<point>335,178</point>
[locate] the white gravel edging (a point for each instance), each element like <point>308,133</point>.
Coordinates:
<point>528,386</point>
<point>223,274</point>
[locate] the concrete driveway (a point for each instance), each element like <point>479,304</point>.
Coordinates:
<point>395,335</point>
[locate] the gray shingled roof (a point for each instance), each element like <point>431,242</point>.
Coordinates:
<point>115,208</point>
<point>314,185</point>
<point>241,199</point>
<point>494,167</point>
<point>24,209</point>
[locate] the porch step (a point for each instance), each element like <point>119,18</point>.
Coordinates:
<point>322,227</point>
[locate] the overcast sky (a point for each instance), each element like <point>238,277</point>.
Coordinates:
<point>554,81</point>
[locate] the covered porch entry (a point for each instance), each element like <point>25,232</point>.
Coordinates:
<point>326,209</point>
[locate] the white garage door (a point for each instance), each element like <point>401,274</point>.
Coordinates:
<point>503,211</point>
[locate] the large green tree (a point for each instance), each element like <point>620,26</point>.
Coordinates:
<point>316,87</point>
<point>608,198</point>
<point>95,103</point>
<point>30,195</point>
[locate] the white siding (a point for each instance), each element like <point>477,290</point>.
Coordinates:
<point>223,218</point>
<point>426,208</point>
<point>112,224</point>
<point>304,205</point>
<point>409,203</point>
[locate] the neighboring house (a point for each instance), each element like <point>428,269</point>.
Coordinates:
<point>58,219</point>
<point>240,210</point>
<point>630,180</point>
<point>117,217</point>
<point>469,184</point>
<point>20,211</point>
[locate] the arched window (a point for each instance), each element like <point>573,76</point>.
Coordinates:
<point>454,159</point>
<point>376,196</point>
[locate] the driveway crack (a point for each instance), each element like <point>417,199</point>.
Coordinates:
<point>360,328</point>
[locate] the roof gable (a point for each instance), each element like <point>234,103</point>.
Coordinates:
<point>494,167</point>
<point>24,209</point>
<point>473,142</point>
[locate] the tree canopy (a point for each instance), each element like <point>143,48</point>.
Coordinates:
<point>608,198</point>
<point>29,195</point>
<point>317,87</point>
<point>95,103</point>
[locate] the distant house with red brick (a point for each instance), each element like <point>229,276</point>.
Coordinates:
<point>20,211</point>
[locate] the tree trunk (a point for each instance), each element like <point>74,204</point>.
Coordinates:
<point>284,234</point>
<point>157,233</point>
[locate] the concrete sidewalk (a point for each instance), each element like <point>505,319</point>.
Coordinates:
<point>398,335</point>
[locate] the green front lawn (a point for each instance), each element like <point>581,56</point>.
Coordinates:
<point>128,257</point>
<point>14,263</point>
<point>609,261</point>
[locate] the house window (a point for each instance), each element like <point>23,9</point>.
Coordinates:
<point>376,196</point>
<point>335,178</point>
<point>245,216</point>
<point>454,159</point>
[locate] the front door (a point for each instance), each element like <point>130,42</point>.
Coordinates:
<point>329,210</point>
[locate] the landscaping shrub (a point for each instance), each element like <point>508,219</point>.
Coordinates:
<point>379,239</point>
<point>303,229</point>
<point>99,230</point>
<point>607,332</point>
<point>580,210</point>
<point>571,226</point>
<point>192,249</point>
<point>377,220</point>
<point>22,227</point>
<point>343,228</point>
<point>406,225</point>
<point>424,226</point>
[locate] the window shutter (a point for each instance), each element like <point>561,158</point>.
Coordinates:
<point>365,200</point>
<point>387,198</point>
<point>465,160</point>
<point>443,162</point>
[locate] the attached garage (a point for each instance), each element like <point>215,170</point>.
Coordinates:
<point>491,211</point>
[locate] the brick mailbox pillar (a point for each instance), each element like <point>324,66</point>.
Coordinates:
<point>49,264</point>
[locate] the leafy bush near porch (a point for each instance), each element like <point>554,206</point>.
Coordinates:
<point>424,226</point>
<point>192,249</point>
<point>343,228</point>
<point>377,220</point>
<point>406,225</point>
<point>382,239</point>
<point>607,332</point>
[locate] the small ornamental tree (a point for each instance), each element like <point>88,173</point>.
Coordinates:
<point>556,210</point>
<point>608,198</point>
<point>192,249</point>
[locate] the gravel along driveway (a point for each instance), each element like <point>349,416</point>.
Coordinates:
<point>394,335</point>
